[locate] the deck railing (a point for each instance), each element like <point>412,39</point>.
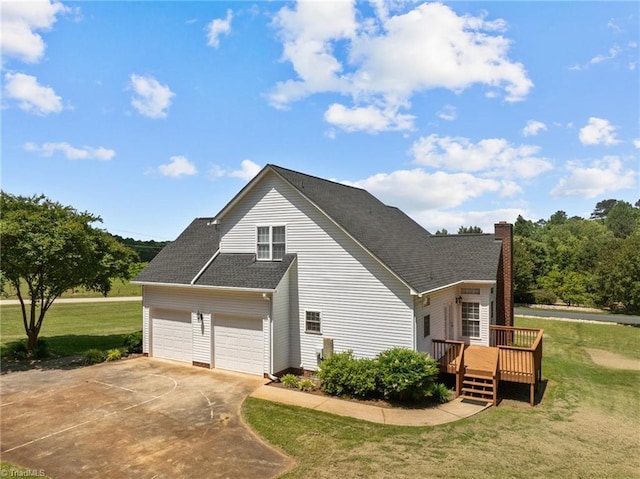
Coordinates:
<point>519,355</point>
<point>447,354</point>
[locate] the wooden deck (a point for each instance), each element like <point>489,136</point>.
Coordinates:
<point>515,355</point>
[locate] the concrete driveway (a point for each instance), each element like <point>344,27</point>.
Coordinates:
<point>136,418</point>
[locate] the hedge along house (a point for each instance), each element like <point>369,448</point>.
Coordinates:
<point>295,267</point>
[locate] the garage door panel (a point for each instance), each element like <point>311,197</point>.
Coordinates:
<point>171,335</point>
<point>238,344</point>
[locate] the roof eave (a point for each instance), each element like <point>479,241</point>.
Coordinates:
<point>466,281</point>
<point>200,286</point>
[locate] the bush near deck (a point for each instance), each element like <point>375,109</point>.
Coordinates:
<point>586,426</point>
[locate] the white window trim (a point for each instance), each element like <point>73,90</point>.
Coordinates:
<point>462,319</point>
<point>271,226</point>
<point>307,330</point>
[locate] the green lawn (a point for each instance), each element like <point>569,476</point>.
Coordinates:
<point>119,288</point>
<point>71,329</point>
<point>587,425</point>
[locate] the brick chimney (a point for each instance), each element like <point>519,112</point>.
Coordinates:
<point>504,289</point>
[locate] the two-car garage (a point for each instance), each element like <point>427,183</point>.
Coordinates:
<point>234,342</point>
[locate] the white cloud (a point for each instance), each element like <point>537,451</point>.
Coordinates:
<point>598,132</point>
<point>448,113</point>
<point>71,152</point>
<point>178,166</point>
<point>603,176</point>
<point>391,57</point>
<point>533,128</point>
<point>152,98</point>
<point>493,156</point>
<point>248,169</point>
<point>369,118</point>
<point>21,21</point>
<point>217,27</point>
<point>636,143</point>
<point>31,96</point>
<point>406,188</point>
<point>613,53</point>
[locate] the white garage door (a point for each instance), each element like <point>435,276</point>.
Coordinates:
<point>171,334</point>
<point>238,344</point>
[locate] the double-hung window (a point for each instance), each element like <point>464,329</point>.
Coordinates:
<point>312,322</point>
<point>471,320</point>
<point>271,243</point>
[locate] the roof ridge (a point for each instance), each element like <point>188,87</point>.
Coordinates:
<point>277,167</point>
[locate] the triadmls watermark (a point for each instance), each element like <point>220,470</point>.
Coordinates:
<point>22,473</point>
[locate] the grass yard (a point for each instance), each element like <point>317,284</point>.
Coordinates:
<point>587,425</point>
<point>119,288</point>
<point>71,329</point>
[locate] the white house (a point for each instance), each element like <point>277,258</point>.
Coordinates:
<point>294,266</point>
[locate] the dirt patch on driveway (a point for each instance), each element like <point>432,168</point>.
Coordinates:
<point>613,360</point>
<point>143,418</point>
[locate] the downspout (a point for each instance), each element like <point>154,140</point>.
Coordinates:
<point>270,375</point>
<point>414,336</point>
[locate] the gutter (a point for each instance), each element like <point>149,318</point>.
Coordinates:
<point>218,288</point>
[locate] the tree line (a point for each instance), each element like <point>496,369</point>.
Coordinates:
<point>146,250</point>
<point>587,262</point>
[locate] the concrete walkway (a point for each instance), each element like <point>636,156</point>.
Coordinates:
<point>444,413</point>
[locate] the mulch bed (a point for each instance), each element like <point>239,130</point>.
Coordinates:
<point>424,403</point>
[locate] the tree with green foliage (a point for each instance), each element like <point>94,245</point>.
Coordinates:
<point>469,230</point>
<point>48,248</point>
<point>602,209</point>
<point>442,232</point>
<point>617,275</point>
<point>622,219</point>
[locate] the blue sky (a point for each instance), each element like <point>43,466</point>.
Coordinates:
<point>465,113</point>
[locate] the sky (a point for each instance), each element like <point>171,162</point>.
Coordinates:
<point>152,113</point>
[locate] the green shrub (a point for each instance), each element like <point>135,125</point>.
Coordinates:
<point>544,296</point>
<point>342,374</point>
<point>133,342</point>
<point>18,351</point>
<point>93,356</point>
<point>440,393</point>
<point>41,351</point>
<point>307,385</point>
<point>290,381</point>
<point>404,374</point>
<point>113,355</point>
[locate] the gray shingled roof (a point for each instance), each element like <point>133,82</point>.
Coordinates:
<point>243,271</point>
<point>181,260</point>
<point>424,261</point>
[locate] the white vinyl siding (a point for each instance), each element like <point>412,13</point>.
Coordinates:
<point>280,315</point>
<point>444,299</point>
<point>437,303</point>
<point>201,337</point>
<point>364,307</point>
<point>145,327</point>
<point>211,302</point>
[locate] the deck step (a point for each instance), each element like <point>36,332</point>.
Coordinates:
<point>466,382</point>
<point>477,391</point>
